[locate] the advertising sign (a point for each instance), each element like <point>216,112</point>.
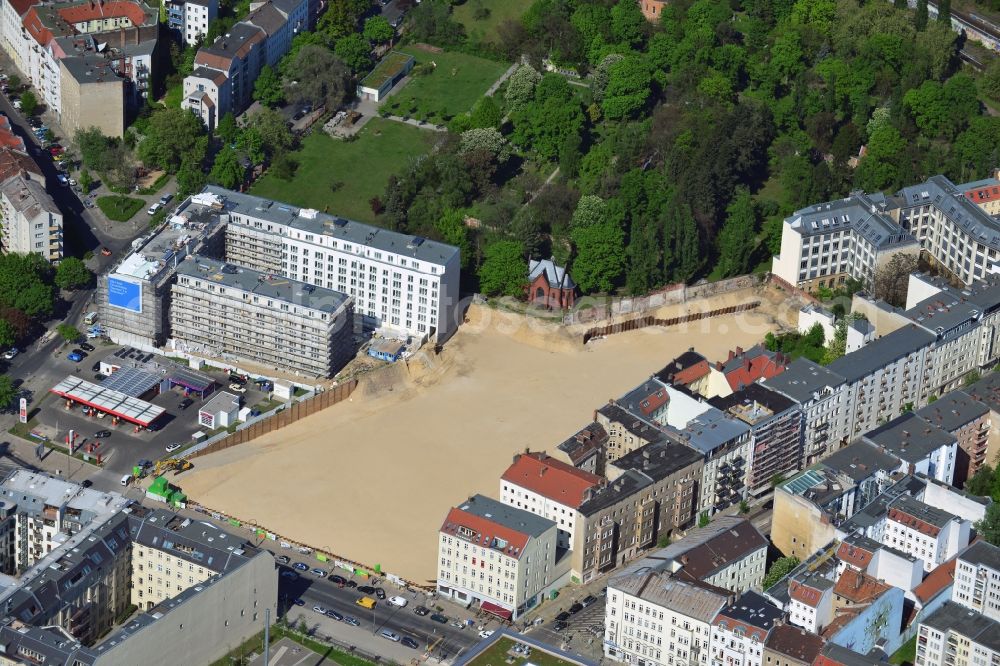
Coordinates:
<point>24,410</point>
<point>124,294</point>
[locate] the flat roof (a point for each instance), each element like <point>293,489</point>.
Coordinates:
<point>982,553</point>
<point>131,381</point>
<point>279,288</point>
<point>388,68</point>
<point>909,437</point>
<point>191,379</point>
<point>966,622</point>
<point>112,402</point>
<point>658,460</point>
<point>803,379</point>
<point>879,353</point>
<point>859,460</point>
<point>224,401</point>
<point>340,229</point>
<point>953,410</point>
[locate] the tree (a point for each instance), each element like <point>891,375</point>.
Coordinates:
<point>267,88</point>
<point>172,136</point>
<point>971,377</point>
<point>628,89</point>
<point>7,334</point>
<point>503,271</point>
<point>320,78</point>
<point>378,30</point>
<point>920,17</point>
<point>68,332</point>
<point>227,170</point>
<point>71,273</point>
<point>627,23</point>
<point>989,527</point>
<point>551,116</point>
<point>96,150</point>
<point>355,52</point>
<point>982,482</point>
<point>600,255</point>
<point>744,507</point>
<point>521,88</point>
<point>7,390</point>
<point>944,12</point>
<point>486,113</point>
<point>284,167</point>
<point>891,278</point>
<point>25,286</point>
<point>86,181</point>
<point>663,541</point>
<point>779,569</point>
<point>738,239</point>
<point>989,80</point>
<point>227,129</point>
<point>879,168</point>
<point>190,177</point>
<point>29,103</point>
<point>451,229</point>
<point>268,132</point>
<point>704,519</point>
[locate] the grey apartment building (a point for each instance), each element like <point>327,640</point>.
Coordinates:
<point>225,311</point>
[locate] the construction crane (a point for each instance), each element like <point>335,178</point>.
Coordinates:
<point>177,464</point>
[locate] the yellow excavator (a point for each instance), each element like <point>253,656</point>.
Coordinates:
<point>177,464</point>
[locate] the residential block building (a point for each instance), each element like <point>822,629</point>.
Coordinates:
<point>791,646</point>
<point>549,488</point>
<point>404,284</point>
<point>956,636</point>
<point>966,419</point>
<point>224,311</point>
<point>922,447</point>
<point>190,18</point>
<point>740,630</point>
<point>977,579</point>
<point>225,70</point>
<point>654,618</point>
<point>502,558</point>
<point>924,531</point>
<point>821,398</point>
<point>31,221</point>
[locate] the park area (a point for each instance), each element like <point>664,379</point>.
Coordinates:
<point>481,17</point>
<point>118,207</point>
<point>372,478</point>
<point>450,86</point>
<point>340,177</point>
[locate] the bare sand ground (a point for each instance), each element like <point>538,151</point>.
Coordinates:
<point>372,479</point>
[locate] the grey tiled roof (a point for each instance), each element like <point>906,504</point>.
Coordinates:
<point>982,553</point>
<point>940,192</point>
<point>802,379</point>
<point>953,410</point>
<point>881,352</point>
<point>976,627</point>
<point>909,437</point>
<point>865,214</point>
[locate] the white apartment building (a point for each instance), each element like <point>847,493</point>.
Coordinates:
<point>406,285</point>
<point>31,220</point>
<point>924,531</point>
<point>238,314</point>
<point>501,558</point>
<point>922,447</point>
<point>810,601</point>
<point>740,630</point>
<point>821,396</point>
<point>881,562</point>
<point>977,579</point>
<point>191,18</point>
<point>656,619</point>
<point>955,636</point>
<point>825,244</point>
<point>549,488</point>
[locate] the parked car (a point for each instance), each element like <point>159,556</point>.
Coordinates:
<point>86,346</point>
<point>560,625</point>
<point>298,115</point>
<point>298,602</point>
<point>63,179</point>
<point>335,615</point>
<point>300,566</point>
<point>82,353</point>
<point>575,608</point>
<point>173,447</point>
<point>56,149</point>
<point>366,589</point>
<point>319,573</point>
<point>96,367</point>
<point>338,579</point>
<point>236,388</point>
<point>165,199</point>
<point>353,621</point>
<point>100,377</point>
<point>11,353</point>
<point>320,609</point>
<point>421,611</point>
<point>437,617</point>
<point>185,403</point>
<point>380,593</point>
<point>100,434</point>
<point>485,634</point>
<point>237,379</point>
<point>562,617</point>
<point>410,643</point>
<point>588,600</point>
<point>289,574</point>
<point>350,584</point>
<point>391,635</point>
<point>73,356</point>
<point>283,559</point>
<point>398,601</point>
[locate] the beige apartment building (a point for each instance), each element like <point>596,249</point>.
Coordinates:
<point>31,220</point>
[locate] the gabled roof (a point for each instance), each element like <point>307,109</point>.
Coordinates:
<point>490,524</point>
<point>557,276</point>
<point>938,580</point>
<point>751,612</point>
<point>859,587</point>
<point>808,590</point>
<point>909,437</point>
<point>953,410</point>
<point>553,479</point>
<point>858,551</point>
<point>983,554</point>
<point>795,643</point>
<point>743,368</point>
<point>585,442</point>
<point>685,369</point>
<point>879,353</point>
<point>92,11</point>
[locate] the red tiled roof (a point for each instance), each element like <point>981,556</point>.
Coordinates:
<point>982,194</point>
<point>90,11</point>
<point>21,6</point>
<point>691,373</point>
<point>747,630</point>
<point>855,555</point>
<point>913,522</point>
<point>551,478</point>
<point>33,24</point>
<point>14,162</point>
<point>654,401</point>
<point>745,367</point>
<point>484,532</point>
<point>805,594</point>
<point>941,577</point>
<point>794,642</point>
<point>858,587</point>
<point>838,623</point>
<point>7,137</point>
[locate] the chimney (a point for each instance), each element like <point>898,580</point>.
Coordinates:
<point>542,471</point>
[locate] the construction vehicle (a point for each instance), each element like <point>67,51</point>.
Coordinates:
<point>177,464</point>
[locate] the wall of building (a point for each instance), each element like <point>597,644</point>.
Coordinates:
<point>879,621</point>
<point>207,625</point>
<point>797,527</point>
<point>95,104</point>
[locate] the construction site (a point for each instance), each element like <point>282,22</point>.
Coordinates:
<point>420,435</point>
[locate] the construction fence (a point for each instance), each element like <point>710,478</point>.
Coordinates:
<point>590,309</point>
<point>281,418</point>
<point>649,320</point>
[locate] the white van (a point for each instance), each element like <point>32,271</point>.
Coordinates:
<point>152,209</point>
<point>397,601</point>
<point>90,318</point>
<point>126,479</point>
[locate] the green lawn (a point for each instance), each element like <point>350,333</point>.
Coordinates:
<point>906,654</point>
<point>119,208</point>
<point>484,29</point>
<point>496,655</point>
<point>340,177</point>
<point>456,82</point>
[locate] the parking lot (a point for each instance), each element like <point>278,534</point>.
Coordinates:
<point>124,444</point>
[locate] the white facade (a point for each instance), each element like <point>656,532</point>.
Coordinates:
<point>565,517</point>
<point>977,580</point>
<point>396,283</point>
<point>675,630</point>
<point>742,575</point>
<point>732,647</point>
<point>955,636</point>
<point>31,220</point>
<point>811,315</point>
<point>197,17</point>
<point>930,546</point>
